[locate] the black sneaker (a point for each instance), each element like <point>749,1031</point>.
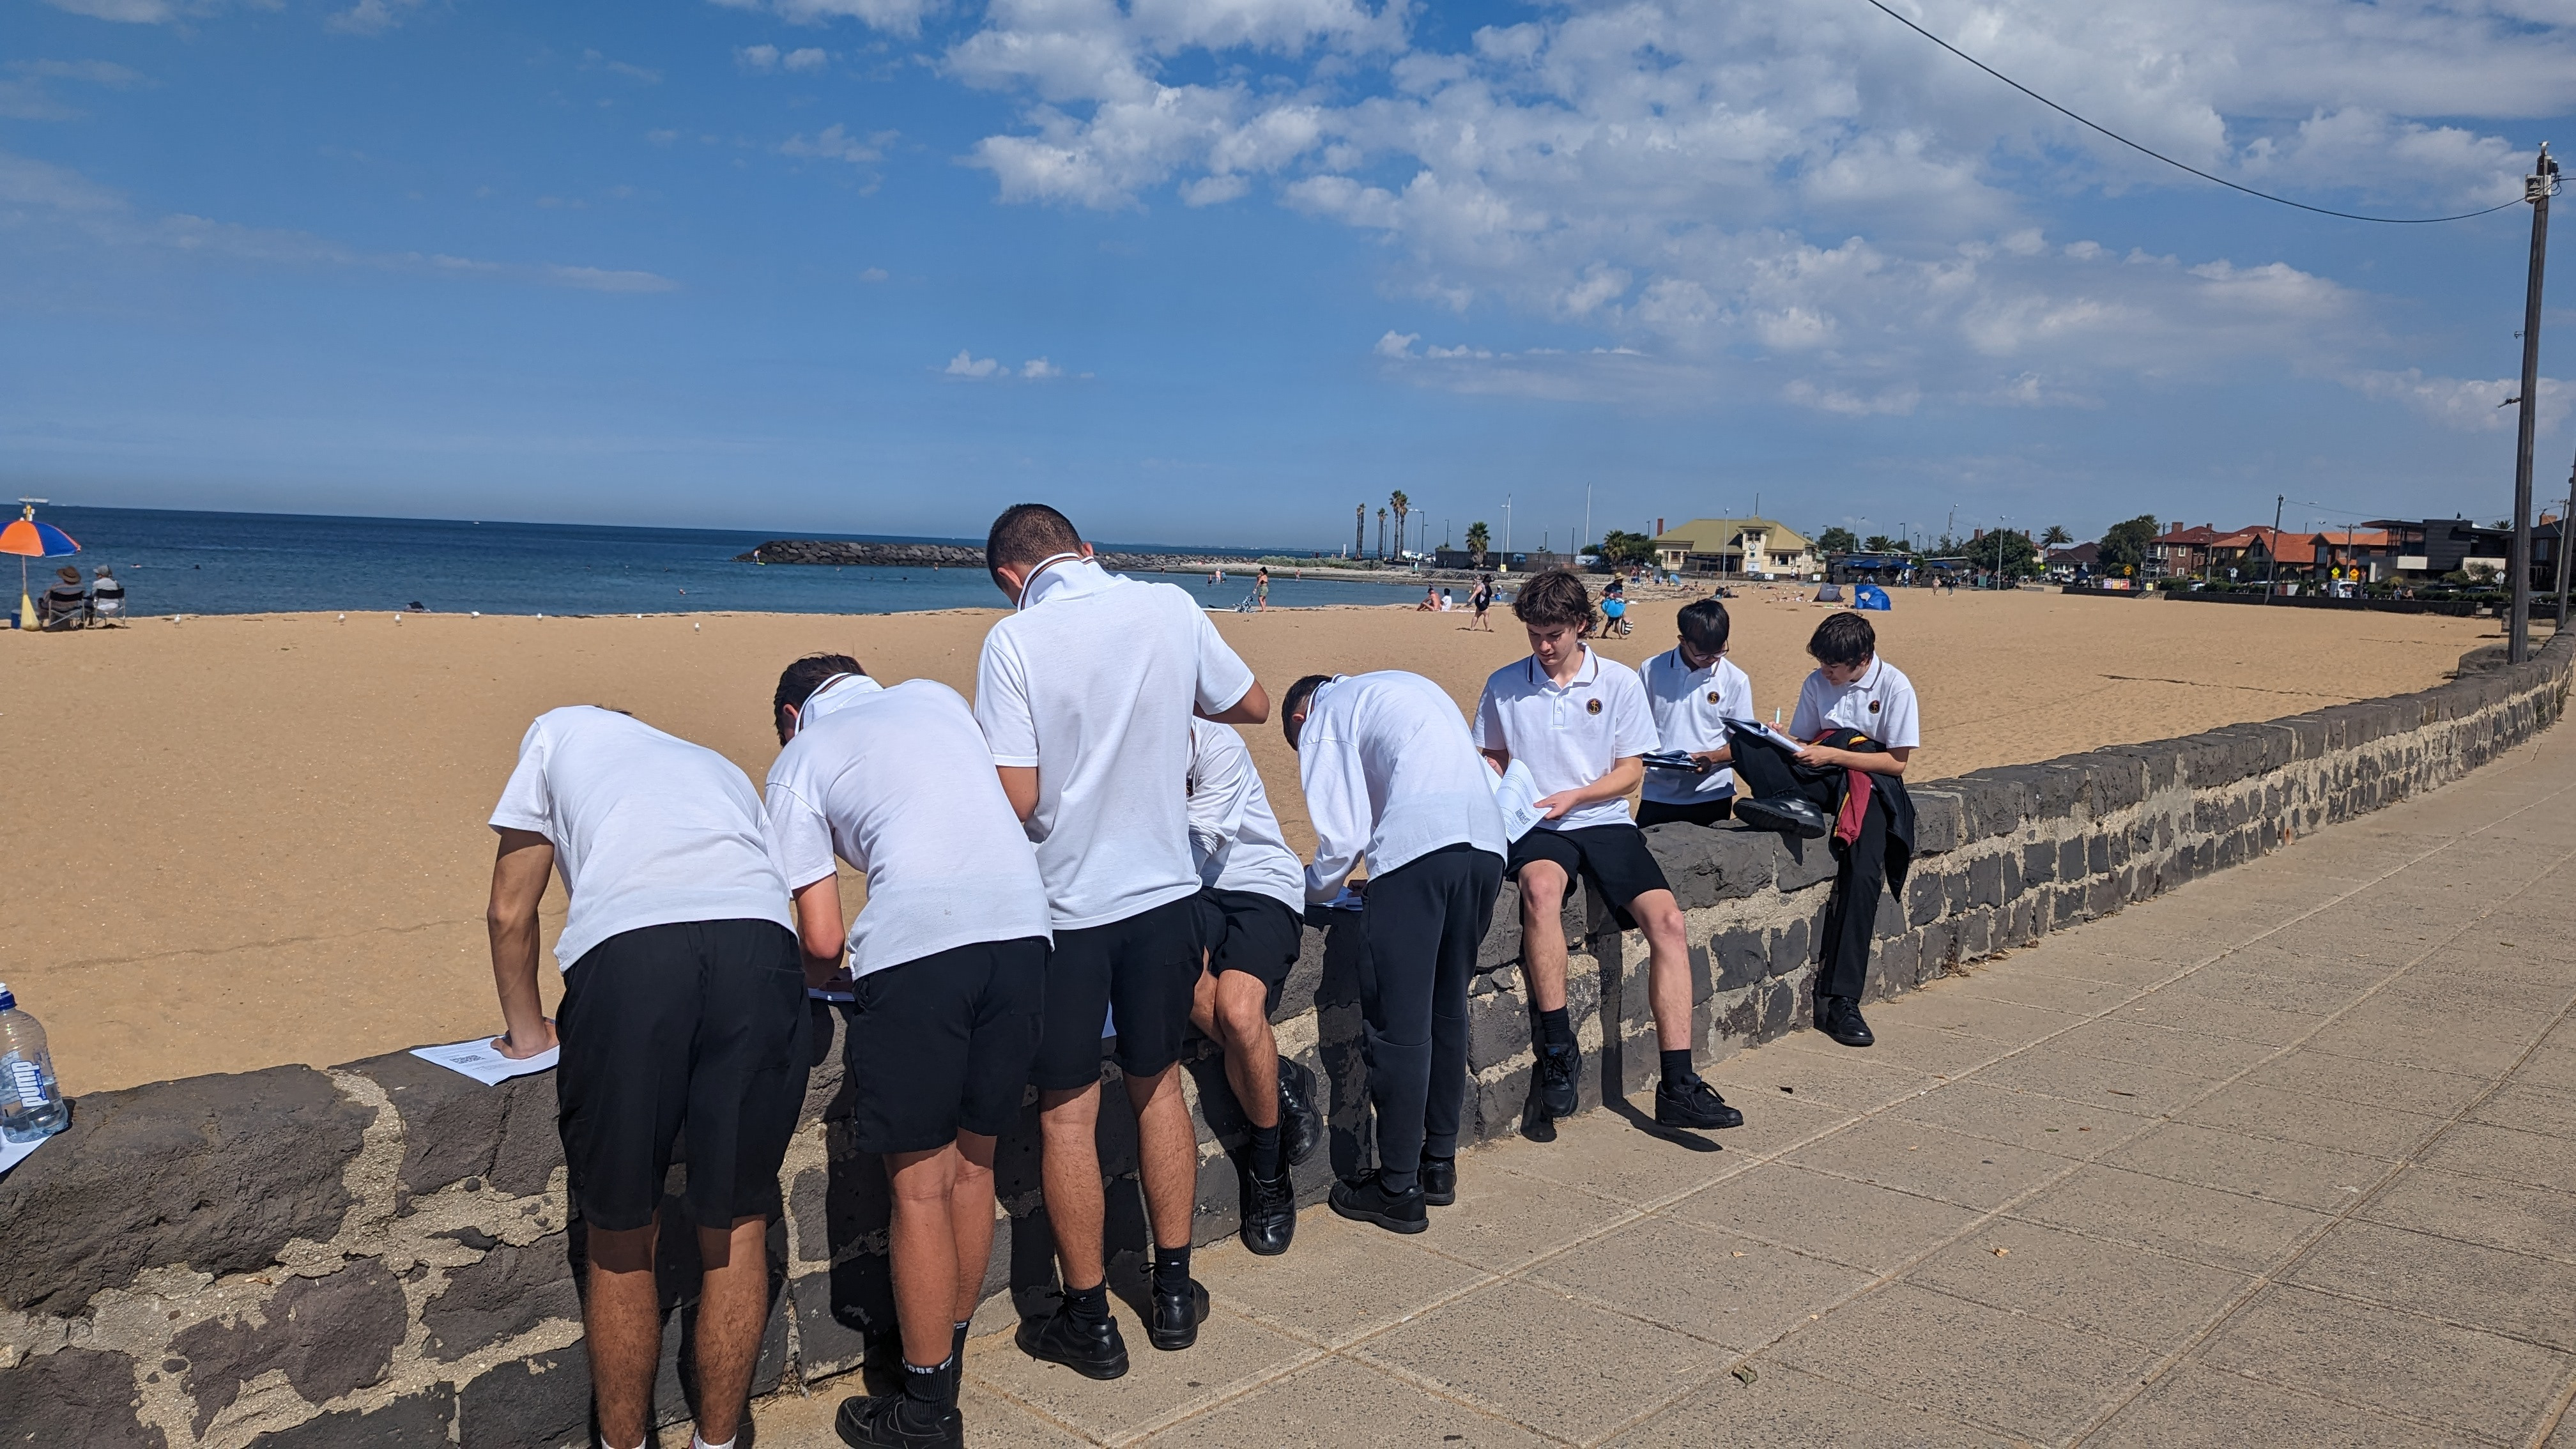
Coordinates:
<point>1177,1314</point>
<point>1093,1350</point>
<point>1439,1181</point>
<point>1785,814</point>
<point>1269,1214</point>
<point>1839,1017</point>
<point>1301,1127</point>
<point>1368,1201</point>
<point>1694,1103</point>
<point>894,1421</point>
<point>1558,1065</point>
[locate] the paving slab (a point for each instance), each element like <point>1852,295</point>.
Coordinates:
<point>1731,1290</point>
<point>1503,1219</point>
<point>1233,1353</point>
<point>2150,1299</point>
<point>2514,1294</point>
<point>2298,1173</point>
<point>2501,1152</point>
<point>2205,1225</point>
<point>2481,1210</point>
<point>2383,1358</point>
<point>1930,1162</point>
<point>2197,1407</point>
<point>1338,1401</point>
<point>1783,1408</point>
<point>2256,1110</point>
<point>1338,1282</point>
<point>1848,1222</point>
<point>2019,1119</point>
<point>2369,1084</point>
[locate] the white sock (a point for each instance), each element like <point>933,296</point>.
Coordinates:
<point>697,1443</point>
<point>639,1444</point>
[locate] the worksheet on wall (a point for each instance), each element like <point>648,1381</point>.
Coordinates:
<point>478,1060</point>
<point>13,1153</point>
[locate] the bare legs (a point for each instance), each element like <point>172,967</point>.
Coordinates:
<point>1069,1168</point>
<point>941,1238</point>
<point>1668,980</point>
<point>1231,1009</point>
<point>622,1322</point>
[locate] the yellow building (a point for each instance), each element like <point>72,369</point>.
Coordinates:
<point>1735,546</point>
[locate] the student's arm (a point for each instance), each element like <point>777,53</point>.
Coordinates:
<point>1227,691</point>
<point>519,872</point>
<point>1010,731</point>
<point>1020,782</point>
<point>1253,708</point>
<point>1874,762</point>
<point>1501,760</point>
<point>1337,805</point>
<point>1623,777</point>
<point>819,928</point>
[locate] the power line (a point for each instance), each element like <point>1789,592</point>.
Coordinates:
<point>2168,160</point>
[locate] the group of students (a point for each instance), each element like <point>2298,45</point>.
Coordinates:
<point>1081,866</point>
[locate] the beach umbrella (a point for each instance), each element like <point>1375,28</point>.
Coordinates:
<point>28,539</point>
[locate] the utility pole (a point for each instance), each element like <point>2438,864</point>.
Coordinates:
<point>2535,189</point>
<point>1587,524</point>
<point>1507,527</point>
<point>2272,553</point>
<point>2566,528</point>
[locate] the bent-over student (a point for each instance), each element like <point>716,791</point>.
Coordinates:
<point>1581,724</point>
<point>1857,718</point>
<point>1693,689</point>
<point>1252,922</point>
<point>1085,695</point>
<point>949,961</point>
<point>683,1008</point>
<point>1390,775</point>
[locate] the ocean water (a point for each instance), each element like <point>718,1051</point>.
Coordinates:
<point>249,563</point>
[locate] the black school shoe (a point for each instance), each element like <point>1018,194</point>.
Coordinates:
<point>1269,1214</point>
<point>893,1421</point>
<point>1694,1103</point>
<point>1301,1127</point>
<point>1439,1181</point>
<point>1558,1065</point>
<point>1094,1351</point>
<point>1785,814</point>
<point>1368,1201</point>
<point>1177,1314</point>
<point>1839,1017</point>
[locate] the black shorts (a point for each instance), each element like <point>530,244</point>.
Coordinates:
<point>1249,932</point>
<point>1147,967</point>
<point>1613,858</point>
<point>942,1044</point>
<point>1698,812</point>
<point>698,1025</point>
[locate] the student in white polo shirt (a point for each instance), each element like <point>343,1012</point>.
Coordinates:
<point>1085,695</point>
<point>1857,713</point>
<point>683,1009</point>
<point>1252,923</point>
<point>949,961</point>
<point>1582,725</point>
<point>1693,690</point>
<point>1390,775</point>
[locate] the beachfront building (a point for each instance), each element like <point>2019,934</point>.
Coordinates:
<point>1735,546</point>
<point>2424,550</point>
<point>2180,552</point>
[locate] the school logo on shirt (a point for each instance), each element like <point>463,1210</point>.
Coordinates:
<point>1873,706</point>
<point>1712,696</point>
<point>1592,706</point>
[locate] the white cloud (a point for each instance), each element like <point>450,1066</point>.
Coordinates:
<point>756,57</point>
<point>132,12</point>
<point>805,59</point>
<point>372,17</point>
<point>1039,368</point>
<point>2462,404</point>
<point>1397,344</point>
<point>835,143</point>
<point>873,274</point>
<point>591,59</point>
<point>896,17</point>
<point>25,94</point>
<point>967,364</point>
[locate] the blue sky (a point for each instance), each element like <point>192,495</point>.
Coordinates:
<point>1220,270</point>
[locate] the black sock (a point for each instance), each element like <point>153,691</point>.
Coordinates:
<point>957,1344</point>
<point>1677,1068</point>
<point>1398,1183</point>
<point>927,1387</point>
<point>1091,1304</point>
<point>1265,1151</point>
<point>1556,1028</point>
<point>1171,1268</point>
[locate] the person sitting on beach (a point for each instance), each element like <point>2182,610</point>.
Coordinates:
<point>683,1008</point>
<point>1252,913</point>
<point>66,604</point>
<point>1390,775</point>
<point>106,594</point>
<point>949,957</point>
<point>1582,726</point>
<point>1448,601</point>
<point>1856,713</point>
<point>1085,694</point>
<point>1693,690</point>
<point>1430,600</point>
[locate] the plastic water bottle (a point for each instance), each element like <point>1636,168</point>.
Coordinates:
<point>31,1103</point>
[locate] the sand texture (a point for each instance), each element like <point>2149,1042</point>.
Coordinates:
<point>259,839</point>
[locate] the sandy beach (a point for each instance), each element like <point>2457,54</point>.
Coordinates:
<point>257,839</point>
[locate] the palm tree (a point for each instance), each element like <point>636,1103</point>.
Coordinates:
<point>2055,536</point>
<point>1402,505</point>
<point>1381,535</point>
<point>1478,536</point>
<point>1359,532</point>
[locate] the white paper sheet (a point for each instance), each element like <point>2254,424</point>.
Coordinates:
<point>1516,793</point>
<point>1771,733</point>
<point>478,1060</point>
<point>13,1153</point>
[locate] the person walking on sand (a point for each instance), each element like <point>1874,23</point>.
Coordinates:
<point>683,1008</point>
<point>949,960</point>
<point>1390,775</point>
<point>1261,591</point>
<point>1085,694</point>
<point>1482,599</point>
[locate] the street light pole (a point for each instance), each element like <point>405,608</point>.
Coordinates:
<point>2535,189</point>
<point>2272,553</point>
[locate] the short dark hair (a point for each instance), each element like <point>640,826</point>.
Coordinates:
<point>798,681</point>
<point>1295,700</point>
<point>1844,637</point>
<point>1705,625</point>
<point>1552,600</point>
<point>1027,533</point>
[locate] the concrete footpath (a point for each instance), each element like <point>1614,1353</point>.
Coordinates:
<point>2286,1157</point>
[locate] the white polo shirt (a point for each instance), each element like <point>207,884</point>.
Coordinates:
<point>1234,836</point>
<point>1390,774</point>
<point>1092,682</point>
<point>898,783</point>
<point>1569,735</point>
<point>648,829</point>
<point>1879,704</point>
<point>1691,707</point>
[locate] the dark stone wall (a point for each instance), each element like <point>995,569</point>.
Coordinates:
<point>392,1239</point>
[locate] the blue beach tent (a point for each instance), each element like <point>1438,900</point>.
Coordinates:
<point>1870,597</point>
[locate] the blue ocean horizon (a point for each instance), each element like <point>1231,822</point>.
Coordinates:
<point>185,562</point>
